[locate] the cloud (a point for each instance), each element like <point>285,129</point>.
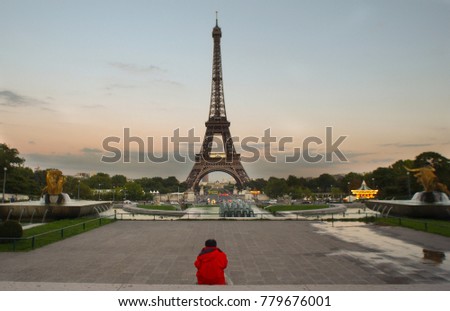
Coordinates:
<point>136,69</point>
<point>94,106</point>
<point>12,99</point>
<point>402,145</point>
<point>91,150</point>
<point>48,109</point>
<point>31,142</point>
<point>169,82</point>
<point>119,86</point>
<point>386,161</point>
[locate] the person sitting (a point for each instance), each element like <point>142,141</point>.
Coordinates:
<point>210,264</point>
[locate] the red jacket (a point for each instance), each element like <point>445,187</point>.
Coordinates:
<point>210,264</point>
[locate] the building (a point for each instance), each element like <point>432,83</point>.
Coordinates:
<point>364,192</point>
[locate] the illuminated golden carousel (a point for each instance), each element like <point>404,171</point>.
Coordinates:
<point>364,192</point>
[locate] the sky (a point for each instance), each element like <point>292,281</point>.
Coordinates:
<point>74,73</point>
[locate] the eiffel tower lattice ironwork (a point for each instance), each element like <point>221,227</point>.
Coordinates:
<point>217,125</point>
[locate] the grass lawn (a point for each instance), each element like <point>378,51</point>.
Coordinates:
<point>277,208</point>
<point>441,227</point>
<point>53,232</point>
<point>206,207</point>
<point>158,207</point>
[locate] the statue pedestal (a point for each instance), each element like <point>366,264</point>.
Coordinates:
<point>55,198</point>
<point>428,197</point>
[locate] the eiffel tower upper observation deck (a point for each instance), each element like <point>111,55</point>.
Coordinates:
<point>217,125</point>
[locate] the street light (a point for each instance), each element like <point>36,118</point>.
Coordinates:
<point>349,191</point>
<point>99,185</point>
<point>79,189</point>
<point>4,183</point>
<point>114,192</point>
<point>409,186</point>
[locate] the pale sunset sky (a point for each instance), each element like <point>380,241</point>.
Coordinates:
<point>75,72</point>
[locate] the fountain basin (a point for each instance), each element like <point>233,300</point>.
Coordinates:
<point>37,211</point>
<point>409,208</point>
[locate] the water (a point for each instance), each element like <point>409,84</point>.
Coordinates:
<point>405,256</point>
<point>32,215</point>
<point>439,197</point>
<point>67,199</point>
<point>9,214</point>
<point>45,214</point>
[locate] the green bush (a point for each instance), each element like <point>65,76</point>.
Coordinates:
<point>10,229</point>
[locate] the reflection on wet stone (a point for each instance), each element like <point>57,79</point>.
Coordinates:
<point>434,255</point>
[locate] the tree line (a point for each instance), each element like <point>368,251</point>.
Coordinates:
<point>392,181</point>
<point>23,180</point>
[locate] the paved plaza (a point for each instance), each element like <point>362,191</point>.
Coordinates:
<point>262,254</point>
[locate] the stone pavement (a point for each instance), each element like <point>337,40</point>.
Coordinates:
<point>263,255</point>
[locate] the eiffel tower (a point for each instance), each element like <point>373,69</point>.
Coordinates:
<point>217,125</point>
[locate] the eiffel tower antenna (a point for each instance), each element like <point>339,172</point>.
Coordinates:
<point>217,125</point>
<point>217,19</point>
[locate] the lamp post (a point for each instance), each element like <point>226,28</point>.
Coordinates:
<point>79,189</point>
<point>114,192</point>
<point>349,191</point>
<point>99,185</point>
<point>409,186</point>
<point>317,195</point>
<point>4,183</point>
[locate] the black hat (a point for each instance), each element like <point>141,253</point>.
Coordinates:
<point>211,243</point>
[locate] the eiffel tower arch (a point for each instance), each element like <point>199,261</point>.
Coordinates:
<point>227,161</point>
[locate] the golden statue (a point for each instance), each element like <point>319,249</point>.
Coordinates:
<point>428,179</point>
<point>55,181</point>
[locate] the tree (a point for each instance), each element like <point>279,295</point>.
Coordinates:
<point>99,181</point>
<point>293,181</point>
<point>134,191</point>
<point>256,184</point>
<point>325,182</point>
<point>440,163</point>
<point>39,178</point>
<point>151,184</point>
<point>296,192</point>
<point>402,180</point>
<point>9,157</point>
<point>350,181</point>
<point>163,185</point>
<point>387,182</point>
<point>183,186</point>
<point>276,187</point>
<point>118,180</point>
<point>426,158</point>
<point>20,180</point>
<point>73,185</point>
<point>171,184</point>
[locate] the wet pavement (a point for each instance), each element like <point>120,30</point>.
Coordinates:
<point>282,254</point>
<point>392,258</point>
